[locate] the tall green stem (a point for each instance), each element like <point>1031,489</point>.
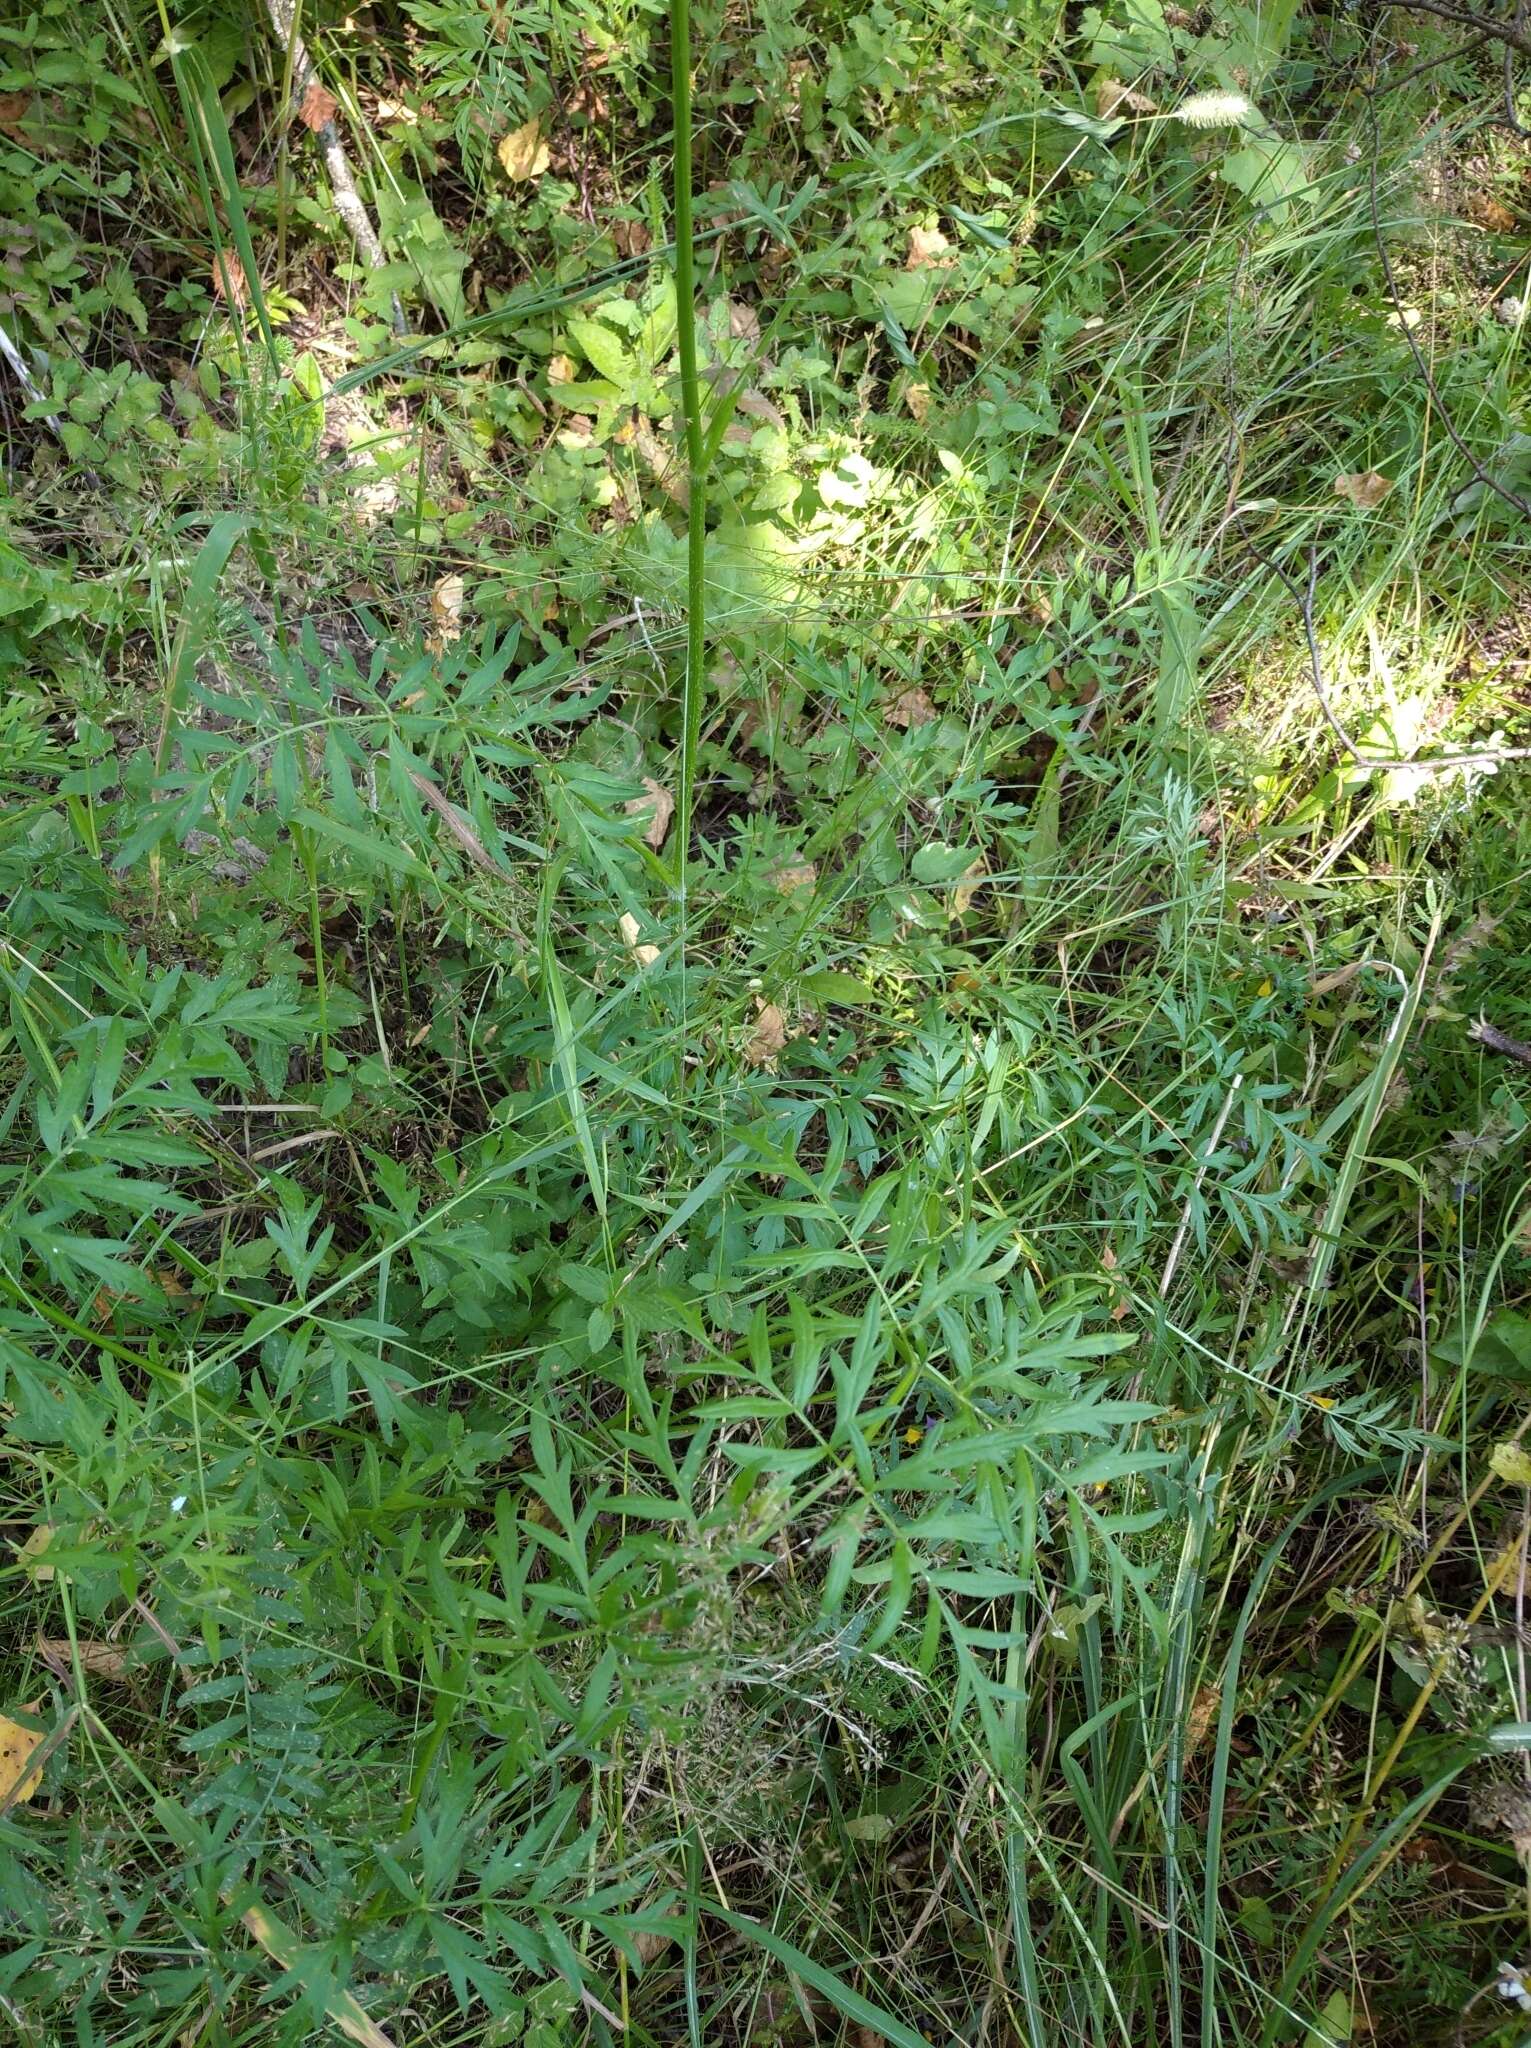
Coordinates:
<point>696,454</point>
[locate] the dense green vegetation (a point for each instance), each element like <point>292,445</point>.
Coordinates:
<point>885,1408</point>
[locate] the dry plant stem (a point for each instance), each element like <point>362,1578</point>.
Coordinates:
<point>1512,35</point>
<point>1500,1041</point>
<point>337,165</point>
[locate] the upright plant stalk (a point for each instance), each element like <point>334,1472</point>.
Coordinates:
<point>696,454</point>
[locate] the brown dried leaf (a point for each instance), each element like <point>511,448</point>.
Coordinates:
<point>928,250</point>
<point>1484,211</point>
<point>229,281</point>
<point>743,321</point>
<point>562,369</point>
<point>1204,1710</point>
<point>651,1942</point>
<point>1363,487</point>
<point>632,238</point>
<point>917,398</point>
<point>97,1659</point>
<point>524,152</point>
<point>318,107</point>
<point>909,707</point>
<point>768,1038</point>
<point>18,1780</point>
<point>629,927</point>
<point>13,113</point>
<point>658,805</point>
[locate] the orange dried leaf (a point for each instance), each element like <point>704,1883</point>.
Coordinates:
<point>318,107</point>
<point>229,281</point>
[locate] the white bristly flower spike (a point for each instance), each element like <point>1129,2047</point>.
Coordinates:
<point>1214,110</point>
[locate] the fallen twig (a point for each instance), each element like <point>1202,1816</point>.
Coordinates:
<point>1500,1041</point>
<point>348,202</point>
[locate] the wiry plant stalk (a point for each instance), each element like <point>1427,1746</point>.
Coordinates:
<point>696,454</point>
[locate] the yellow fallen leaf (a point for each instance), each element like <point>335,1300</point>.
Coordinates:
<point>562,369</point>
<point>768,1038</point>
<point>629,927</point>
<point>524,152</point>
<point>658,806</point>
<point>1363,487</point>
<point>1511,1463</point>
<point>909,707</point>
<point>917,398</point>
<point>797,874</point>
<point>18,1781</point>
<point>97,1659</point>
<point>395,110</point>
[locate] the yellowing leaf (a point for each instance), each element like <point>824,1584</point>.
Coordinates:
<point>768,1038</point>
<point>524,152</point>
<point>1511,1463</point>
<point>18,1781</point>
<point>562,369</point>
<point>658,806</point>
<point>1363,487</point>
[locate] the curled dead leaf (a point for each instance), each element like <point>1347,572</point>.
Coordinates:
<point>768,1038</point>
<point>97,1659</point>
<point>629,927</point>
<point>1363,487</point>
<point>909,707</point>
<point>658,806</point>
<point>917,398</point>
<point>524,152</point>
<point>446,611</point>
<point>968,885</point>
<point>317,109</point>
<point>562,369</point>
<point>19,1779</point>
<point>929,249</point>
